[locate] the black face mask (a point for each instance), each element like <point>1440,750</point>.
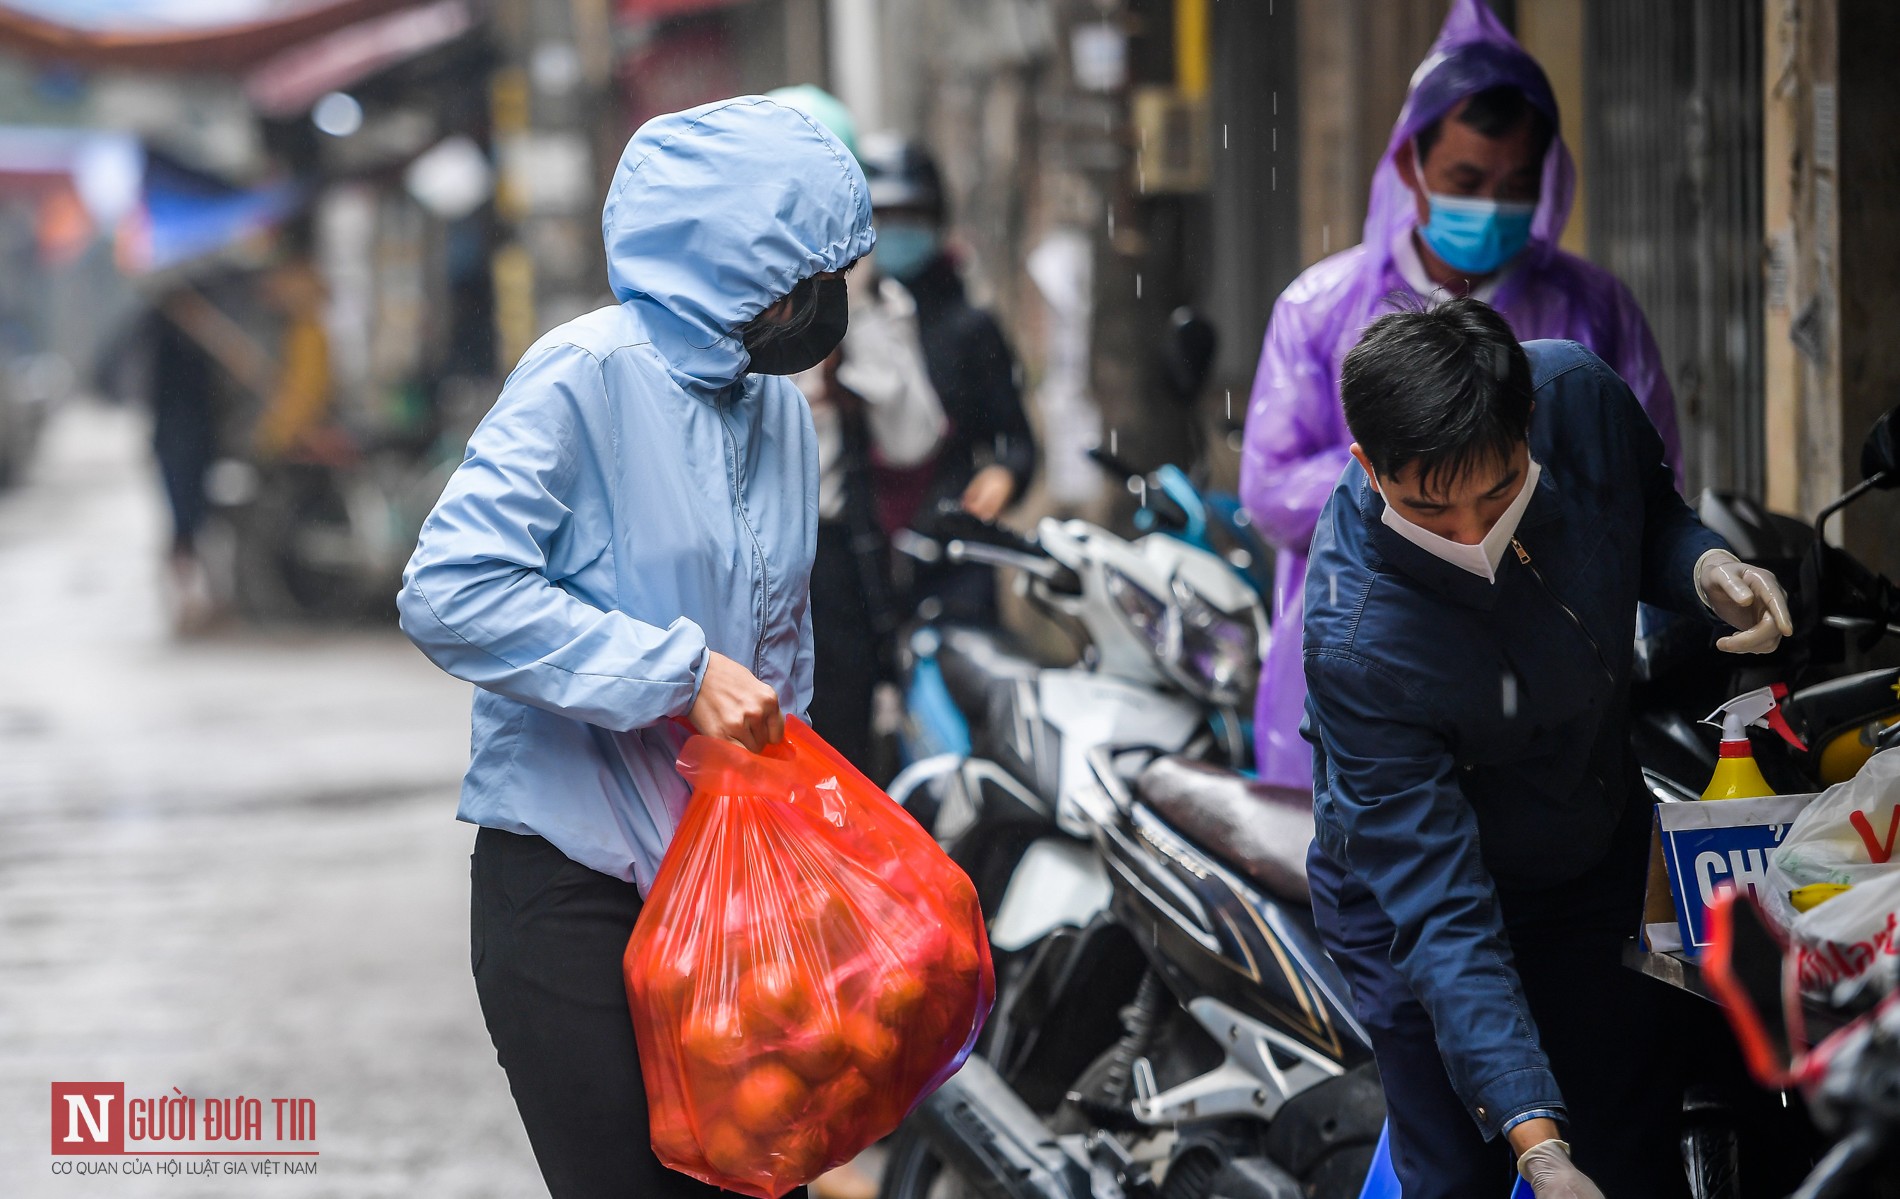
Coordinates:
<point>820,312</point>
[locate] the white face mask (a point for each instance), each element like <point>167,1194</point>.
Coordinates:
<point>1483,558</point>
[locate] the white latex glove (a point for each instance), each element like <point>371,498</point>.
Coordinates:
<point>1546,1166</point>
<point>1748,597</point>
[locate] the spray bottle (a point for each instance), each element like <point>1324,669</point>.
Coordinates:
<point>1736,775</point>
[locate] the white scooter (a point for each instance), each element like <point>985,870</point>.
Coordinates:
<point>1171,639</point>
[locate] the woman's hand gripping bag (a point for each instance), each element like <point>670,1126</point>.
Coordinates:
<point>808,966</point>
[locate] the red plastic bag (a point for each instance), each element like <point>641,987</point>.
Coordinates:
<point>808,965</point>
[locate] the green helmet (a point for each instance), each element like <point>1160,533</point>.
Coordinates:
<point>823,107</point>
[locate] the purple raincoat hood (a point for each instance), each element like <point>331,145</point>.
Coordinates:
<point>1473,52</point>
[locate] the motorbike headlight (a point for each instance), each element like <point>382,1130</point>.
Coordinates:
<point>1144,611</point>
<point>1218,655</point>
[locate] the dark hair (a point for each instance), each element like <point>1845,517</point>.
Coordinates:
<point>1494,112</point>
<point>762,332</point>
<point>1445,386</point>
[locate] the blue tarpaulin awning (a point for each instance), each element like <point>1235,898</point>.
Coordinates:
<point>183,215</point>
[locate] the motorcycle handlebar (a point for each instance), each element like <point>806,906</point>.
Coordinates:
<point>1057,576</point>
<point>960,537</point>
<point>1157,500</point>
<point>1116,465</point>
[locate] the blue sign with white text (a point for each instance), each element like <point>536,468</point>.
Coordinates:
<point>1712,845</point>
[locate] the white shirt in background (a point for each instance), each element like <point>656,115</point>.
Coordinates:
<point>883,361</point>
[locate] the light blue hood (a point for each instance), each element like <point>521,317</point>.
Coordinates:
<point>715,213</point>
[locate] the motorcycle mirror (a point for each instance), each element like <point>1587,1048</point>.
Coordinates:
<point>1112,463</point>
<point>1744,968</point>
<point>1879,468</point>
<point>1879,454</point>
<point>1192,340</point>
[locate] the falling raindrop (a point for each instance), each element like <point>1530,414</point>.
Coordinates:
<point>1326,239</point>
<point>1137,285</point>
<point>1111,224</point>
<point>1509,697</point>
<point>1223,135</point>
<point>1230,403</point>
<point>1332,588</point>
<point>1112,436</point>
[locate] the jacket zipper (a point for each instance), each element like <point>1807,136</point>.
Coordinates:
<point>758,550</point>
<point>1524,556</point>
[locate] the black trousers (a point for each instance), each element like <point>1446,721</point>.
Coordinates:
<point>845,662</point>
<point>1609,1032</point>
<point>183,440</point>
<point>546,937</point>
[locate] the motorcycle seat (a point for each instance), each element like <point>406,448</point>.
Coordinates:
<point>1261,831</point>
<point>976,658</point>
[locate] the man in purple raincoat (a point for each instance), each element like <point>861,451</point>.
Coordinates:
<point>1470,198</point>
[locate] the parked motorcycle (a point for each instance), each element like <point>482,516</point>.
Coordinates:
<point>1169,641</point>
<point>1233,1065</point>
<point>1839,703</point>
<point>1170,502</point>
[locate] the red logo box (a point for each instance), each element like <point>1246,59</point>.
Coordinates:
<point>88,1117</point>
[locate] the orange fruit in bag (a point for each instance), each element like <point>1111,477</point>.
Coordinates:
<point>839,1100</point>
<point>773,999</point>
<point>714,1035</point>
<point>928,1022</point>
<point>729,1150</point>
<point>872,1045</point>
<point>829,923</point>
<point>805,1154</point>
<point>817,1052</point>
<point>898,992</point>
<point>768,1097</point>
<point>668,983</point>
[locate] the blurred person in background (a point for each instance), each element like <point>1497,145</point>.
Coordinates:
<point>988,453</point>
<point>195,348</point>
<point>181,389</point>
<point>297,411</point>
<point>873,407</point>
<point>629,540</point>
<point>1470,198</point>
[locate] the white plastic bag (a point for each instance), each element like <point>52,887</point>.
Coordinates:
<point>1849,835</point>
<point>1843,939</point>
<point>1851,832</point>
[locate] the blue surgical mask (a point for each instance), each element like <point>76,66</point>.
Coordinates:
<point>1474,235</point>
<point>905,248</point>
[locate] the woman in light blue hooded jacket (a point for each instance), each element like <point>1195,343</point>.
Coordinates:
<point>629,540</point>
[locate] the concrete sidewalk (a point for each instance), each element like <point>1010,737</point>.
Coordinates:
<point>228,866</point>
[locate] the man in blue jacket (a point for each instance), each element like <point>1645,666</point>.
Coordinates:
<point>1482,826</point>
